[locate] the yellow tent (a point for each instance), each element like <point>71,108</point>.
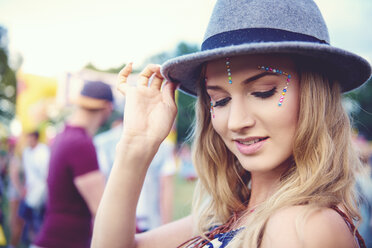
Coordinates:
<point>34,95</point>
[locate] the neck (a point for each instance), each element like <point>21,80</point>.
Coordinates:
<point>89,120</point>
<point>264,184</point>
<point>262,187</point>
<point>33,146</point>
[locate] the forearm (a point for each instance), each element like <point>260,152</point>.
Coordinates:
<point>17,183</point>
<point>14,171</point>
<point>115,220</point>
<point>149,114</point>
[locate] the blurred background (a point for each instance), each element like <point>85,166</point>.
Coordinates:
<point>48,48</point>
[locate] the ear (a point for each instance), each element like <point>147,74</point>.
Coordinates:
<point>109,107</point>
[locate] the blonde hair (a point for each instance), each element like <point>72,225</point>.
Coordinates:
<point>322,175</point>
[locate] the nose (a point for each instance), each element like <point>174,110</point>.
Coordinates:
<point>240,116</point>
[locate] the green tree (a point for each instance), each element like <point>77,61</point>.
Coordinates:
<point>185,117</point>
<point>110,70</point>
<point>8,82</point>
<point>182,48</point>
<point>362,116</point>
<point>186,48</point>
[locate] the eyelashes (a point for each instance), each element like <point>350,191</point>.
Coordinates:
<point>222,102</point>
<point>264,94</point>
<point>259,94</point>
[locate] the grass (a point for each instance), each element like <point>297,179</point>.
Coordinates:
<point>182,197</point>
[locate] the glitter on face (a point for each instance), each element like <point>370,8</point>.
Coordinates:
<point>284,91</point>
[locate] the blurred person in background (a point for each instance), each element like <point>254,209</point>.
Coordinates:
<point>15,192</point>
<point>105,143</point>
<point>75,183</point>
<point>35,159</point>
<point>3,167</point>
<point>155,206</point>
<point>364,187</point>
<point>187,170</point>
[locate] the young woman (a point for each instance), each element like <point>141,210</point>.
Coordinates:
<point>272,143</point>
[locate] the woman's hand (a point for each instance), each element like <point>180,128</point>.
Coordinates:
<point>149,114</point>
<point>150,110</point>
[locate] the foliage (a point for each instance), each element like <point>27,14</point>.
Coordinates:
<point>115,70</point>
<point>8,83</point>
<point>362,116</point>
<point>181,49</point>
<point>185,116</point>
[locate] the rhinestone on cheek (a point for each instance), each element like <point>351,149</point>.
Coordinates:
<point>212,110</point>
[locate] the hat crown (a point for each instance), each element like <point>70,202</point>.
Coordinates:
<point>297,16</point>
<point>97,90</point>
<point>245,27</point>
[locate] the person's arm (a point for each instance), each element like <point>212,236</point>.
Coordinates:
<point>91,186</point>
<point>14,175</point>
<point>148,117</point>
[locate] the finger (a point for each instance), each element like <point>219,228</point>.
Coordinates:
<point>124,73</point>
<point>122,78</point>
<point>157,80</point>
<point>122,88</point>
<point>147,73</point>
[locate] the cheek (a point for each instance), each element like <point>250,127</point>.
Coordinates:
<point>219,123</point>
<point>284,119</point>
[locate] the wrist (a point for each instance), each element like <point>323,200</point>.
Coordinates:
<point>142,140</point>
<point>138,147</point>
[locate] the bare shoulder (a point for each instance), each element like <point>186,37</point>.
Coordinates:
<point>299,226</point>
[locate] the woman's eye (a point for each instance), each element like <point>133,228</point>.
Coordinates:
<point>264,94</point>
<point>222,102</point>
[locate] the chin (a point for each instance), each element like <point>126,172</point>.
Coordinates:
<point>264,166</point>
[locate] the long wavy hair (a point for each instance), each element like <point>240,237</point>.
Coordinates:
<point>322,175</point>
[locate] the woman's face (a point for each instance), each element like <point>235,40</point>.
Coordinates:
<point>246,113</point>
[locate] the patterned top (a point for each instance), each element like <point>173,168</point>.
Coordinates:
<point>222,240</point>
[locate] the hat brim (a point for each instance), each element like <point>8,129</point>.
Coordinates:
<point>350,69</point>
<point>90,103</point>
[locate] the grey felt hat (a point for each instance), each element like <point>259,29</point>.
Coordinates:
<point>239,27</point>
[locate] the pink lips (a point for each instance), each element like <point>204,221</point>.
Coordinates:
<point>250,149</point>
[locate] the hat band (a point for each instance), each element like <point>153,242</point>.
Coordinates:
<point>255,35</point>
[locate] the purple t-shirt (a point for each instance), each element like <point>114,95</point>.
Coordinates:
<point>67,222</point>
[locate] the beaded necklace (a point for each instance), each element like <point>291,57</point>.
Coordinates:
<point>199,241</point>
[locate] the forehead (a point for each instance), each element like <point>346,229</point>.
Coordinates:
<point>248,64</point>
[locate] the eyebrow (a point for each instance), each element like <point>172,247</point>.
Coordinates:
<point>246,81</point>
<point>258,76</point>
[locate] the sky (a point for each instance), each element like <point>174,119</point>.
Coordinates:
<point>56,36</point>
